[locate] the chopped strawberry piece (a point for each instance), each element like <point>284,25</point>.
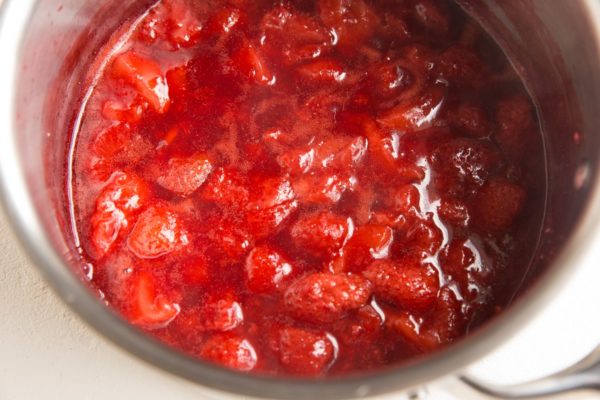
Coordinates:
<point>184,29</point>
<point>116,146</point>
<point>405,283</point>
<point>416,114</point>
<point>398,79</point>
<point>361,328</point>
<point>498,204</point>
<point>454,211</point>
<point>323,189</point>
<point>106,226</point>
<point>229,241</point>
<point>267,270</point>
<point>322,234</point>
<point>425,236</point>
<point>404,200</point>
<point>469,160</point>
<point>131,113</point>
<point>229,351</point>
<point>177,80</point>
<point>369,243</point>
<point>471,119</point>
<point>251,63</point>
<point>268,221</point>
<point>149,308</point>
<point>324,297</point>
<point>221,314</point>
<point>323,70</point>
<point>384,149</point>
<point>185,175</point>
<point>305,352</point>
<point>411,330</point>
<point>146,76</point>
<point>448,317</point>
<point>227,188</point>
<point>352,20</point>
<point>224,21</point>
<point>514,116</point>
<point>118,202</point>
<point>295,36</point>
<point>462,66</point>
<point>343,153</point>
<point>125,191</point>
<point>157,232</point>
<point>271,203</point>
<point>298,161</point>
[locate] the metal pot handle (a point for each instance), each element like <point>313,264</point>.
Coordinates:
<point>584,375</point>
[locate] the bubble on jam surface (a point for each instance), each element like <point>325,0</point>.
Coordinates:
<point>311,189</point>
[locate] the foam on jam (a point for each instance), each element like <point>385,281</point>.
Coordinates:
<point>308,187</point>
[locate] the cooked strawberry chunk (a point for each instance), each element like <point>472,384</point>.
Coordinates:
<point>146,76</point>
<point>229,241</point>
<point>322,234</point>
<point>469,160</point>
<point>267,270</point>
<point>252,64</point>
<point>115,147</point>
<point>185,175</point>
<point>406,283</point>
<point>184,29</point>
<point>343,153</point>
<point>305,352</point>
<point>324,297</point>
<point>514,116</point>
<point>322,71</point>
<point>416,114</point>
<point>271,203</point>
<point>224,21</point>
<point>117,110</point>
<point>498,204</point>
<point>462,66</point>
<point>369,243</point>
<point>157,232</point>
<point>120,200</point>
<point>410,329</point>
<point>229,351</point>
<point>295,36</point>
<point>455,212</point>
<point>352,20</point>
<point>174,21</point>
<point>322,188</point>
<point>226,187</point>
<point>149,308</point>
<point>221,313</point>
<point>471,119</point>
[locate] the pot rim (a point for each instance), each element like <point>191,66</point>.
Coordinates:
<point>16,199</point>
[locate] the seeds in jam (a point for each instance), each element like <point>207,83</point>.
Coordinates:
<point>307,188</point>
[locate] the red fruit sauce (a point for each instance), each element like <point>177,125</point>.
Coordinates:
<point>308,188</point>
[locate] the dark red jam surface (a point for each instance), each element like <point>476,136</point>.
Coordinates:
<point>306,188</point>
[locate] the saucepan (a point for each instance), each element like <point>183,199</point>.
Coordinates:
<point>555,47</point>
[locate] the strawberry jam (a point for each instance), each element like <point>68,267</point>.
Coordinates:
<point>310,187</point>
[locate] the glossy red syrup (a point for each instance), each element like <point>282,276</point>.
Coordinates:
<point>310,187</point>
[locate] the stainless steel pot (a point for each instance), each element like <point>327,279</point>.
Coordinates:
<point>555,45</point>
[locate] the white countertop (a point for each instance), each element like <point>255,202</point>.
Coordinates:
<point>47,352</point>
